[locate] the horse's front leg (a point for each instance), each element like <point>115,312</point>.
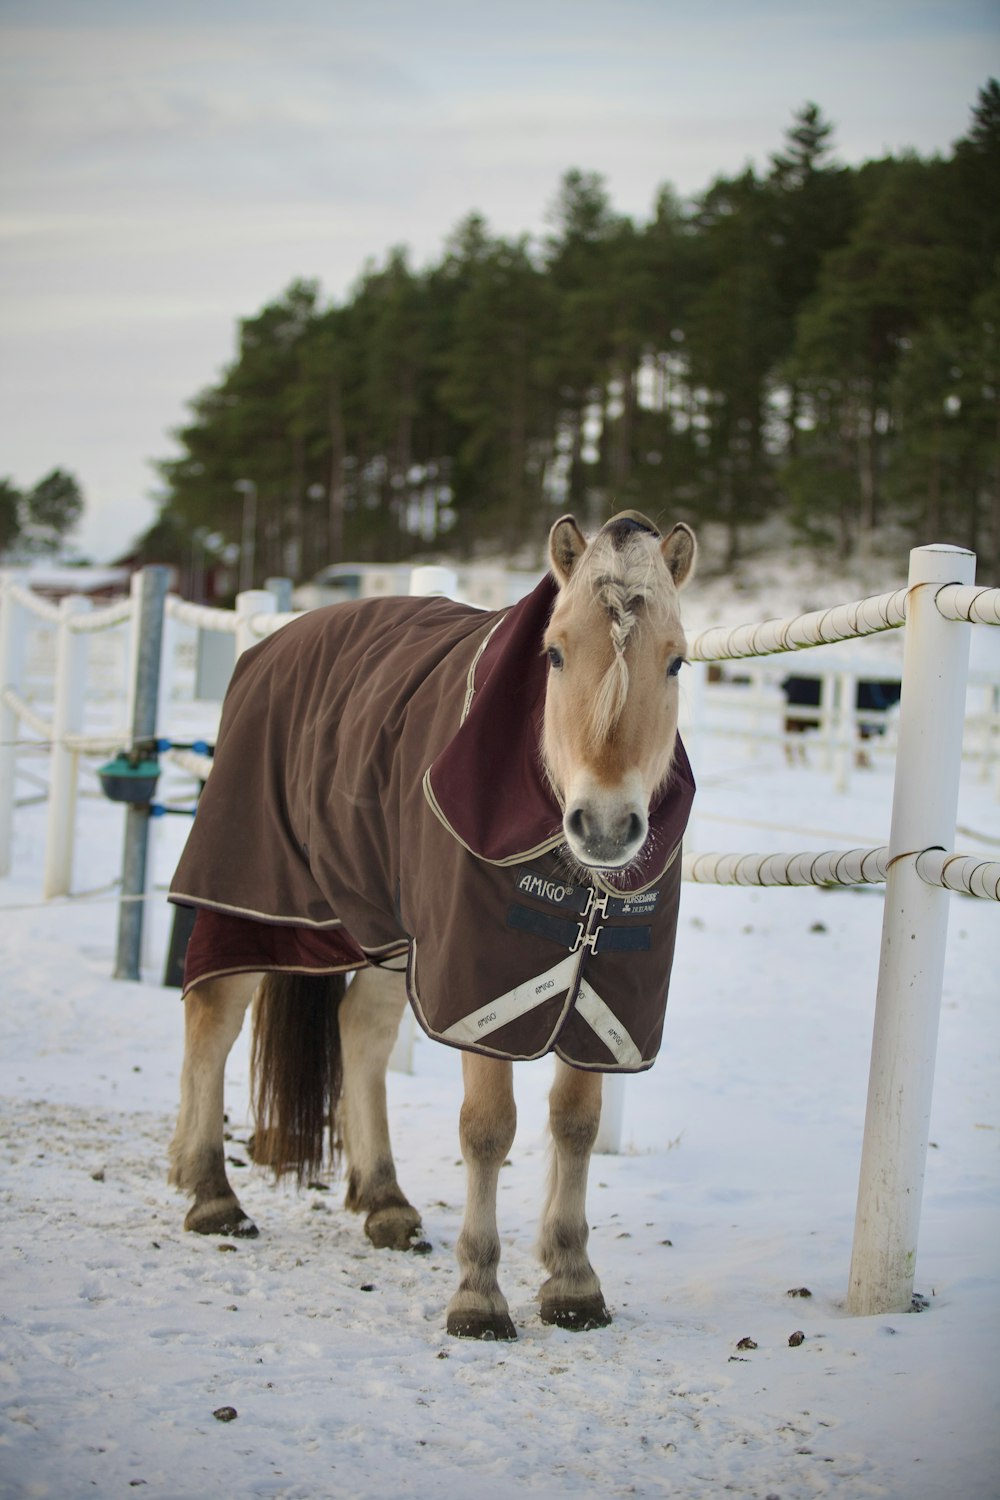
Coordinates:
<point>369,1019</point>
<point>571,1297</point>
<point>213,1016</point>
<point>478,1310</point>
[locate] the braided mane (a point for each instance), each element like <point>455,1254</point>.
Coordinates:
<point>619,571</point>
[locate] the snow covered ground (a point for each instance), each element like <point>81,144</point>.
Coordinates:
<point>121,1336</point>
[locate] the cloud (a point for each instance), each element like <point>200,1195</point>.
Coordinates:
<point>166,170</point>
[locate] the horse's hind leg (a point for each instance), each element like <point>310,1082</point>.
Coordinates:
<point>571,1297</point>
<point>213,1016</point>
<point>478,1310</point>
<point>369,1019</point>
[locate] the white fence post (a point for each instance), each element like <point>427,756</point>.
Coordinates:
<point>434,582</point>
<point>67,718</point>
<point>252,602</point>
<point>13,640</point>
<point>168,657</point>
<point>609,1131</point>
<point>694,732</point>
<point>911,965</point>
<point>845,730</point>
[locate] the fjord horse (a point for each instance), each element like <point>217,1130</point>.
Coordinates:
<point>614,645</point>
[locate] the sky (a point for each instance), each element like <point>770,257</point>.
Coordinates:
<point>166,170</point>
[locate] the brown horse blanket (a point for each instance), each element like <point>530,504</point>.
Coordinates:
<point>378,795</point>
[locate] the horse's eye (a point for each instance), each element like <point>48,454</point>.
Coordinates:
<point>555,657</point>
<point>675,666</point>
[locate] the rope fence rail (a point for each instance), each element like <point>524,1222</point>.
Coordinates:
<point>820,627</point>
<point>826,627</point>
<point>201,616</point>
<point>844,867</point>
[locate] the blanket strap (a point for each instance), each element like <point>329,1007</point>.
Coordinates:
<point>572,935</point>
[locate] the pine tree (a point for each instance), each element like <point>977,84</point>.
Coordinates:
<point>11,501</point>
<point>52,509</point>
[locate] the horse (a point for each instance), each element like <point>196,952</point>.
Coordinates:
<point>467,794</point>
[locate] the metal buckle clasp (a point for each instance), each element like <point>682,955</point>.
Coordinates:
<point>585,939</point>
<point>599,903</point>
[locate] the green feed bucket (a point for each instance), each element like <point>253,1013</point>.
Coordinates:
<point>123,781</point>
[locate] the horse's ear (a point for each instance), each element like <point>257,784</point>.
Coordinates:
<point>679,550</point>
<point>567,544</point>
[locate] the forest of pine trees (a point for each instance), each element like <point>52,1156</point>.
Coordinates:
<point>815,343</point>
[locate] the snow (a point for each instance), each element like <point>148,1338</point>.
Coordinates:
<point>120,1335</point>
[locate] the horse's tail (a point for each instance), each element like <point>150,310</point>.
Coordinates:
<point>295,1071</point>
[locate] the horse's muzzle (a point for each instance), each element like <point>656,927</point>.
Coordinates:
<point>605,839</point>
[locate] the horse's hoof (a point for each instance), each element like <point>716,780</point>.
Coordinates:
<point>578,1317</point>
<point>489,1327</point>
<point>221,1218</point>
<point>245,1228</point>
<point>395,1228</point>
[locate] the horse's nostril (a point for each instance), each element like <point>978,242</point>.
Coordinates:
<point>576,823</point>
<point>635,829</point>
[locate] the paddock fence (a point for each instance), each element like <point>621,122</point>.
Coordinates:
<point>938,607</point>
<point>918,866</point>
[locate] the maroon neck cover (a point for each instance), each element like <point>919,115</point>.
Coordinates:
<point>489,782</point>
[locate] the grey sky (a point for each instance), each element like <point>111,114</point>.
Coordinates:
<point>167,168</point>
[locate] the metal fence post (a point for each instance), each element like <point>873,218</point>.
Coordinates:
<point>281,589</point>
<point>149,592</point>
<point>911,964</point>
<point>67,717</point>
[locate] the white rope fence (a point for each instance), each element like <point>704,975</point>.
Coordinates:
<point>819,627</point>
<point>832,867</point>
<point>953,872</point>
<point>824,627</point>
<point>201,616</point>
<point>978,606</point>
<point>34,604</point>
<point>39,723</point>
<point>938,606</point>
<point>90,622</point>
<point>192,761</point>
